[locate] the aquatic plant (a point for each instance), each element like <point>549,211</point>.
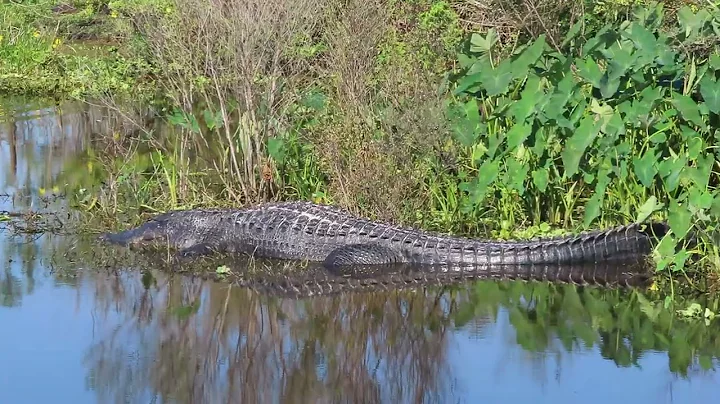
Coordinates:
<point>619,126</point>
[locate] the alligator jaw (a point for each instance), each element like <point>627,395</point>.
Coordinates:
<point>145,234</point>
<point>116,238</point>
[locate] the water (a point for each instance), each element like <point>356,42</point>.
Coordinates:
<point>124,335</point>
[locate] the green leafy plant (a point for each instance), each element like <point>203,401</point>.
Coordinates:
<point>619,126</point>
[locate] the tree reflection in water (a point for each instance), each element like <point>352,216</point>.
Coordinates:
<point>190,340</point>
<point>187,339</point>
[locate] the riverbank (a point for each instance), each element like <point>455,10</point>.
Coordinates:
<point>416,112</point>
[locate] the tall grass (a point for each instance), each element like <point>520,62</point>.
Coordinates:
<point>239,60</point>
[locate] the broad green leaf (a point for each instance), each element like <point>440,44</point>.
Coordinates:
<point>688,109</point>
<point>589,70</point>
<point>710,91</point>
<point>212,121</point>
<point>666,248</point>
<point>578,112</point>
<point>556,106</point>
<point>670,169</point>
<point>483,44</point>
<point>700,198</point>
<point>516,175</point>
<point>715,61</point>
<point>651,205</point>
<point>494,141</point>
<point>715,207</point>
<point>470,83</point>
<point>609,86</point>
<point>648,100</point>
<point>666,58</point>
<point>527,104</point>
<point>611,121</point>
<point>603,178</point>
<point>691,22</point>
<point>465,127</point>
<point>576,145</point>
<point>276,148</point>
<point>679,219</point>
<point>496,81</point>
<point>541,177</point>
<point>541,143</point>
<point>315,100</point>
<point>628,112</point>
<point>694,147</point>
<point>517,135</point>
<point>465,61</point>
<point>615,126</point>
<point>572,32</point>
<point>194,124</point>
<point>487,173</point>
<point>644,41</point>
<point>687,132</point>
<point>472,111</point>
<point>621,60</point>
<point>598,40</point>
<point>700,174</point>
<point>604,111</point>
<point>528,57</point>
<point>178,118</point>
<point>592,208</point>
<point>657,138</point>
<point>644,167</point>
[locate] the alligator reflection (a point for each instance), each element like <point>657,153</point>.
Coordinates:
<point>316,280</point>
<point>243,340</point>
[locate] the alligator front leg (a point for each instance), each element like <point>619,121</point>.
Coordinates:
<point>197,250</point>
<point>363,254</point>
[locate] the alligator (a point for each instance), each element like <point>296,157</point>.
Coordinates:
<point>293,282</point>
<point>334,237</point>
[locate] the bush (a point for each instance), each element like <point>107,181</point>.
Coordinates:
<point>619,126</point>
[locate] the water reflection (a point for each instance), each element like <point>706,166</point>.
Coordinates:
<point>186,339</point>
<point>85,324</point>
<point>36,145</point>
<point>194,341</point>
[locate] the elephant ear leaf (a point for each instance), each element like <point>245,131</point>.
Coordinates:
<point>650,206</point>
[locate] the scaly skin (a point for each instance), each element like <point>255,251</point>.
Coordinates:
<point>318,281</point>
<point>320,233</point>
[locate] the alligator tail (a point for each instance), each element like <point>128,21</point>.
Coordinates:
<point>617,244</point>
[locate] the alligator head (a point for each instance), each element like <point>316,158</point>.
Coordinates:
<point>188,231</point>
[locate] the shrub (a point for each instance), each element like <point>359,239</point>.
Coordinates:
<point>617,127</point>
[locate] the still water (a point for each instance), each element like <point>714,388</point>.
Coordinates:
<point>122,335</point>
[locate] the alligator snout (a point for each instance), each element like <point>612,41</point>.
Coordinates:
<point>123,238</point>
